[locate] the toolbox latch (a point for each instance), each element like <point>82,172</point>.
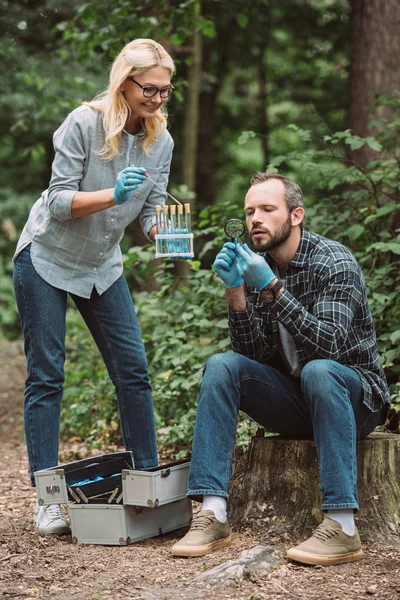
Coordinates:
<point>165,472</point>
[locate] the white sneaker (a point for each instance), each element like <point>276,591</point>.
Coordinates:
<point>50,519</point>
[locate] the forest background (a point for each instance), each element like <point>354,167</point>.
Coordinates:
<point>307,88</point>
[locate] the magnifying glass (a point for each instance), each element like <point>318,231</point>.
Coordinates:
<point>234,228</point>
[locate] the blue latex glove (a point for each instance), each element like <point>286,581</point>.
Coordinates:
<point>225,265</point>
<point>128,180</point>
<point>253,268</point>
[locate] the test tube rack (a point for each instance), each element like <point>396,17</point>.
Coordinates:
<point>174,237</point>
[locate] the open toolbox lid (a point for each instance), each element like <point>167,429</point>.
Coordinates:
<point>83,479</point>
<point>157,486</point>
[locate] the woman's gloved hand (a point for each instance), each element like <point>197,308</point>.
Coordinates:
<point>225,265</point>
<point>253,268</point>
<point>128,180</point>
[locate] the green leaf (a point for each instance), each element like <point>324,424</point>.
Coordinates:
<point>380,298</point>
<point>374,144</point>
<point>395,337</point>
<point>242,20</point>
<point>245,136</point>
<point>354,142</point>
<point>394,247</point>
<point>355,231</point>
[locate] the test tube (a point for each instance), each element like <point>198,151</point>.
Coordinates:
<point>165,228</point>
<point>188,220</point>
<point>172,209</point>
<point>158,219</point>
<point>180,227</point>
<point>188,228</point>
<point>158,227</point>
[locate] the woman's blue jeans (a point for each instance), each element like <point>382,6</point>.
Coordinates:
<point>325,403</point>
<point>112,321</point>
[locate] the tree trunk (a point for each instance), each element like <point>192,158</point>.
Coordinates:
<point>263,38</point>
<point>374,65</point>
<point>191,118</point>
<point>277,481</point>
<point>190,134</point>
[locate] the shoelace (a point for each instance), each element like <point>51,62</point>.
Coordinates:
<point>53,512</point>
<point>324,532</point>
<point>201,522</point>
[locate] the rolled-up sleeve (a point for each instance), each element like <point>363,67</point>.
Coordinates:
<point>67,168</point>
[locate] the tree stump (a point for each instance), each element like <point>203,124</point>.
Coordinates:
<point>278,480</point>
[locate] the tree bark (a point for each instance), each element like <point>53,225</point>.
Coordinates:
<point>189,138</point>
<point>375,65</point>
<point>277,480</point>
<point>191,118</point>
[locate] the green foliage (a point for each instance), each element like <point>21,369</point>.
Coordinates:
<point>13,211</point>
<point>359,206</point>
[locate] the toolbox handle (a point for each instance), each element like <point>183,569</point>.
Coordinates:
<point>165,472</point>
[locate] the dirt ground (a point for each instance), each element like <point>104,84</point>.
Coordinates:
<point>53,567</point>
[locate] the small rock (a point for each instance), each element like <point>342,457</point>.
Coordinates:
<point>249,565</point>
<point>371,590</point>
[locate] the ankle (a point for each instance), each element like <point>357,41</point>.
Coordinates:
<point>345,517</point>
<point>218,506</point>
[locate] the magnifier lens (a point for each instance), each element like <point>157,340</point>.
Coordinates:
<point>234,228</point>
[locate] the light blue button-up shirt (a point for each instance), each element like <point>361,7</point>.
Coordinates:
<point>77,254</point>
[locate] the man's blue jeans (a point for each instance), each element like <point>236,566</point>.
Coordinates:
<point>112,321</point>
<point>325,403</point>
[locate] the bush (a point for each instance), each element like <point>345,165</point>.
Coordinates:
<point>14,210</point>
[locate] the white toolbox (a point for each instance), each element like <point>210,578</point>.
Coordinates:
<point>83,479</point>
<point>157,486</point>
<point>111,524</point>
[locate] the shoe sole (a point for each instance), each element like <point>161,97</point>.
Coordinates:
<point>202,550</point>
<point>55,532</point>
<point>316,559</point>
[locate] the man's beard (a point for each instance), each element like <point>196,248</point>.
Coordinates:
<point>276,239</point>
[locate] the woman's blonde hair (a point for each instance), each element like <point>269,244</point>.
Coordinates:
<point>134,59</point>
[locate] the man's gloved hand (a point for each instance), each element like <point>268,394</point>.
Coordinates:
<point>128,180</point>
<point>225,265</point>
<point>253,268</point>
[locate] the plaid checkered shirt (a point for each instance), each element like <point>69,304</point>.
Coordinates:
<point>324,308</point>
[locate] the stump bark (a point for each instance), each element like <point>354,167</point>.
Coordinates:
<point>278,480</point>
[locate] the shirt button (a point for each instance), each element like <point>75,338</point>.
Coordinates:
<point>112,220</point>
<point>106,236</point>
<point>94,269</point>
<point>101,253</point>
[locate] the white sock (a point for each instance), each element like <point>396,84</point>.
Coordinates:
<point>217,504</point>
<point>345,517</point>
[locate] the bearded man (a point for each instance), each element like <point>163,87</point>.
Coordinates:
<point>304,363</point>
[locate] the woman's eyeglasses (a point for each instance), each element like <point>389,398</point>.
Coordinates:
<point>151,90</point>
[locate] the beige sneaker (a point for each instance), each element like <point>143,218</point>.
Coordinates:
<point>206,534</point>
<point>328,545</point>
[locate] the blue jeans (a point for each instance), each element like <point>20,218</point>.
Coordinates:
<point>112,321</point>
<point>325,403</point>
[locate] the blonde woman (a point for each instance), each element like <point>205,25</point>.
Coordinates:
<point>70,245</point>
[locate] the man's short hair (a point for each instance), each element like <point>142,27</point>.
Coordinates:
<point>293,194</point>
